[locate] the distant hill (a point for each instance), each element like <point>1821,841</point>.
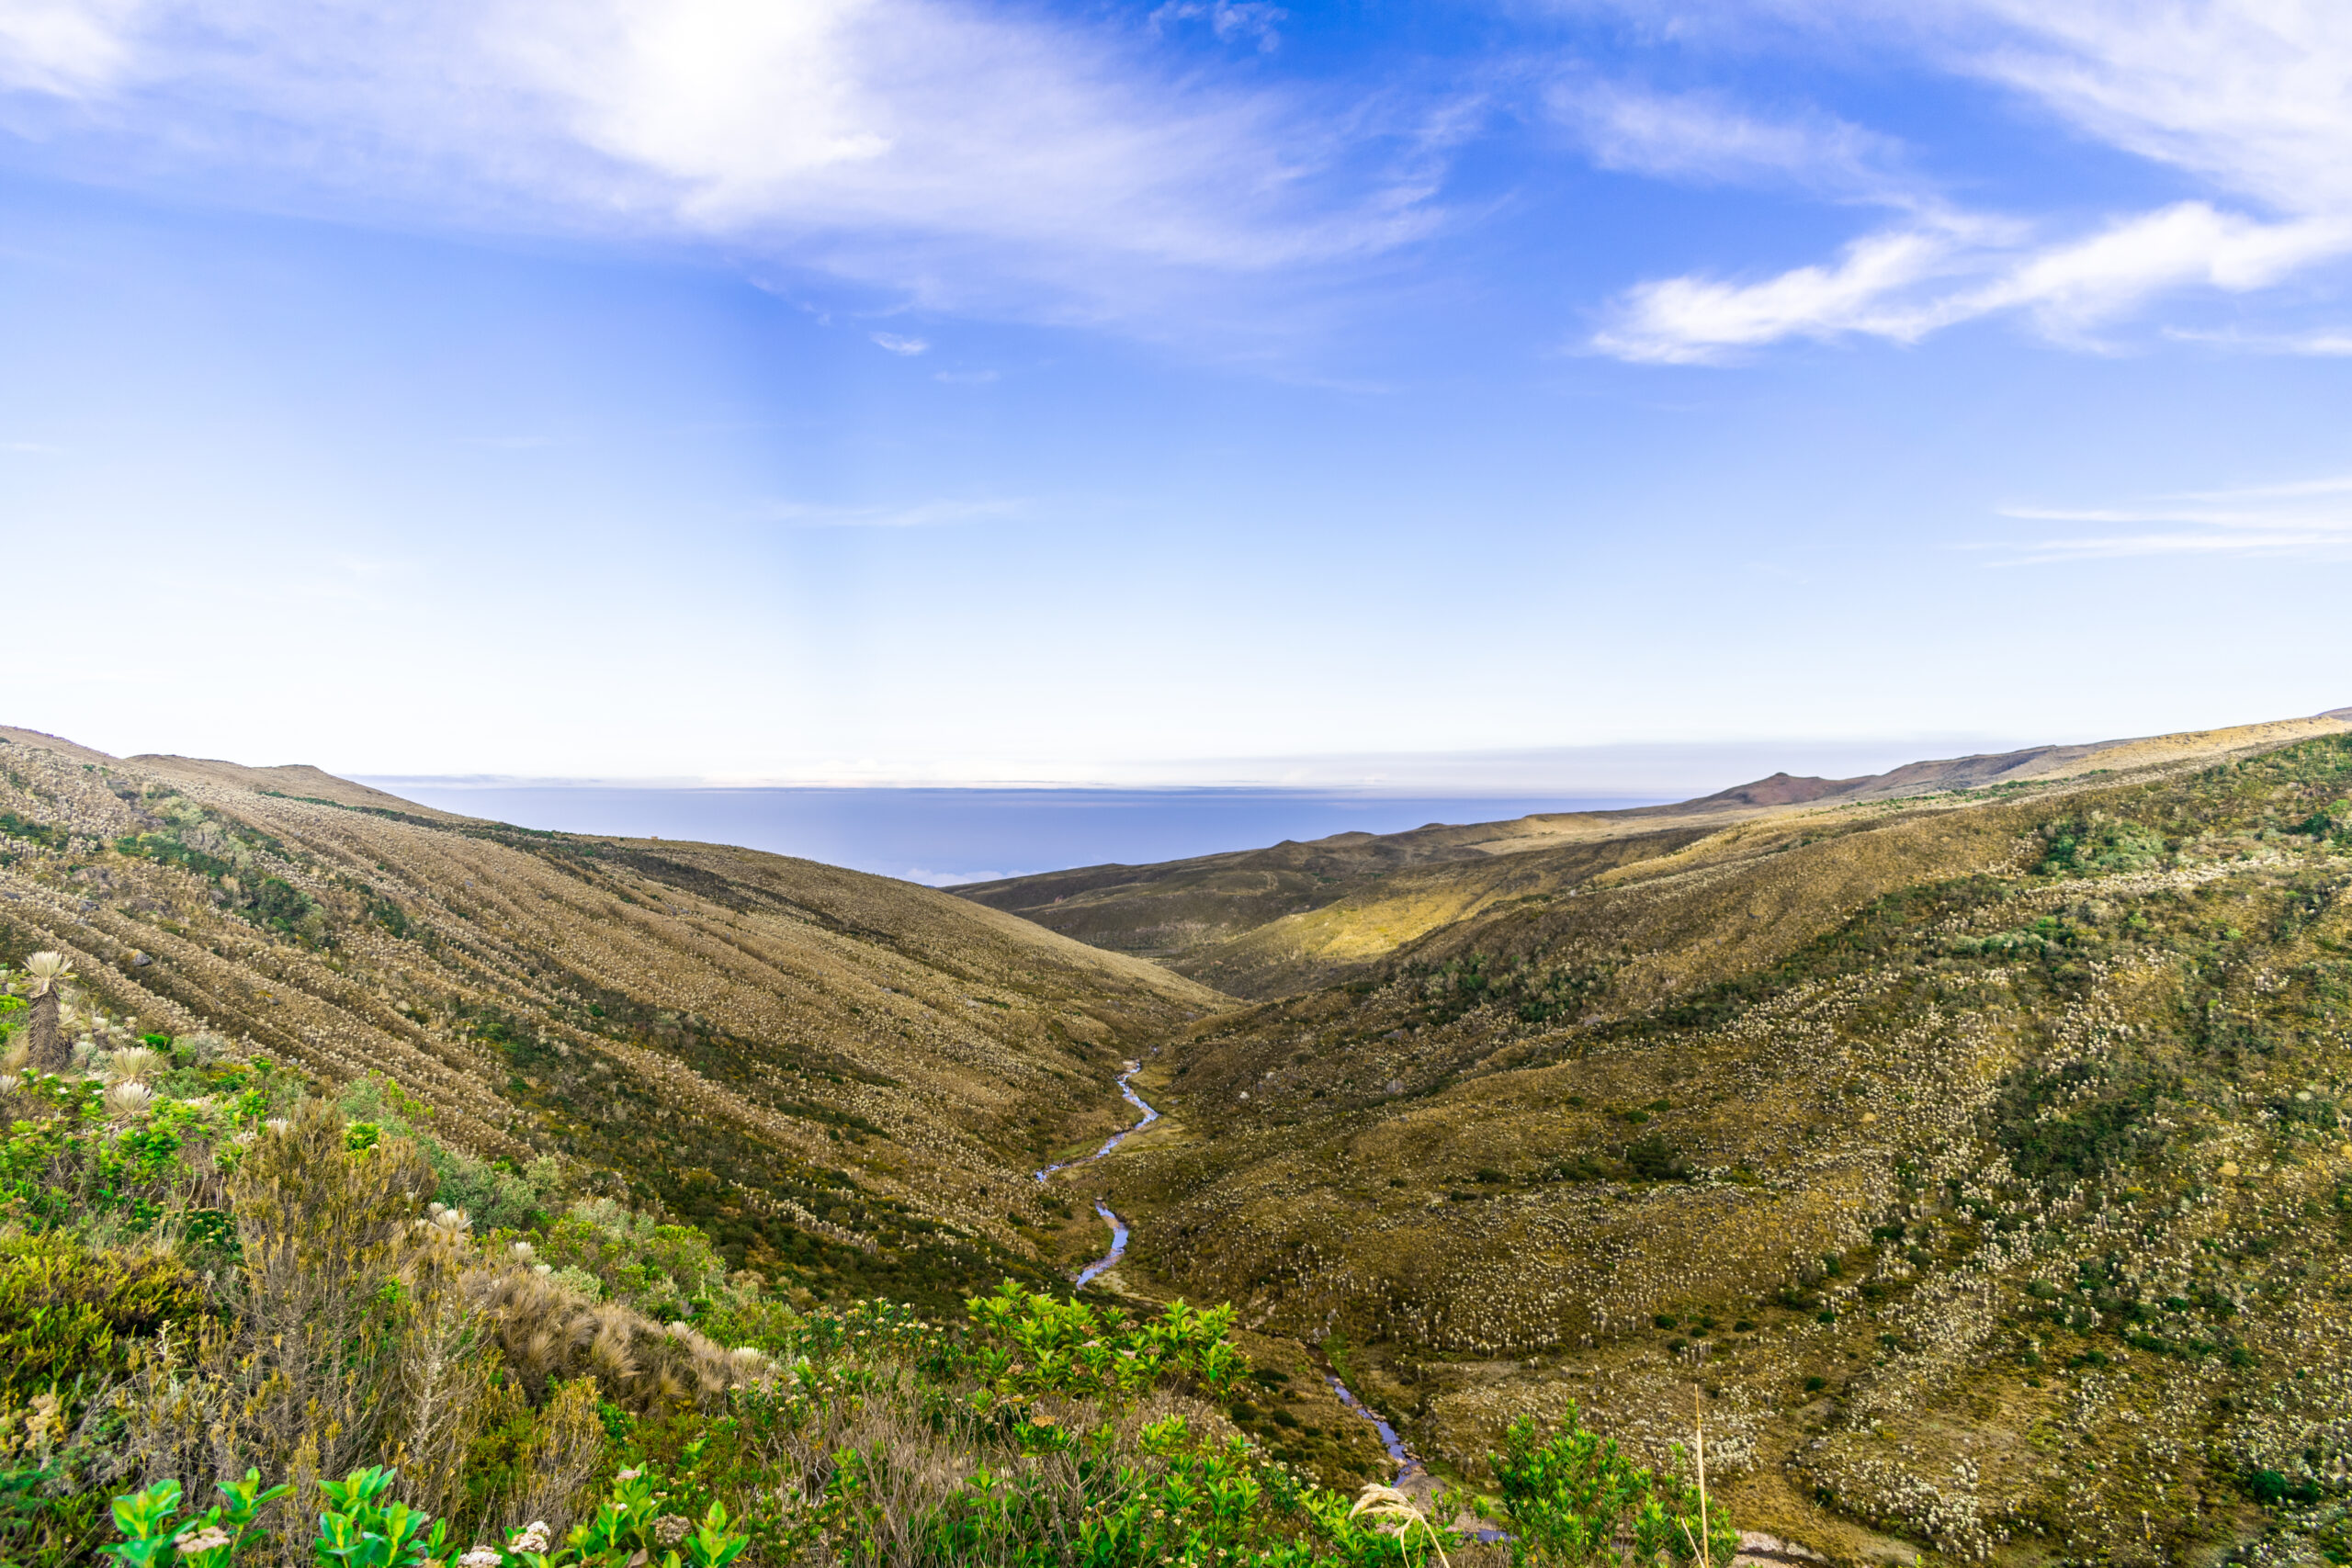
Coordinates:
<point>1269,922</point>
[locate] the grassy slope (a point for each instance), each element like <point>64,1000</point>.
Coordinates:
<point>845,1078</point>
<point>2010,1156</point>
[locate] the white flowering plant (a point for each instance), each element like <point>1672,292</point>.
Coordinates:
<point>156,1534</point>
<point>631,1526</point>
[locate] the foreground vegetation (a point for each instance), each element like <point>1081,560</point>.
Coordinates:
<point>211,1275</point>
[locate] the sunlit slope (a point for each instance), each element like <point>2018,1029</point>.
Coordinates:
<point>1985,1155</point>
<point>1264,923</point>
<point>843,1076</point>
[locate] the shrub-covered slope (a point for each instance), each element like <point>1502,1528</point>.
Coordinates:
<point>844,1080</point>
<point>1983,1155</point>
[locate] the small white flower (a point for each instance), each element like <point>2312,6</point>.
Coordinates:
<point>211,1538</point>
<point>482,1557</point>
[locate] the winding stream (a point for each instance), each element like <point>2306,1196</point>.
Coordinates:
<point>1409,1469</point>
<point>1118,1226</point>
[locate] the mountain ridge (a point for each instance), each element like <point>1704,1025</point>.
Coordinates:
<point>1263,922</point>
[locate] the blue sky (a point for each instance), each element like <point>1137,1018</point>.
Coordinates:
<point>1202,391</point>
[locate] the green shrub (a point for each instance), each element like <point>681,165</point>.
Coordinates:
<point>1571,1497</point>
<point>2095,843</point>
<point>1656,1158</point>
<point>70,1315</point>
<point>663,1271</point>
<point>155,1535</point>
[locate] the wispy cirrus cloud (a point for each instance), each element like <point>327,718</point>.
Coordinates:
<point>1228,20</point>
<point>2252,98</point>
<point>895,343</point>
<point>2311,345</point>
<point>1710,137</point>
<point>961,154</point>
<point>2306,517</point>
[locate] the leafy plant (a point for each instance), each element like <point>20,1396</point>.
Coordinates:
<point>1569,1496</point>
<point>361,1528</point>
<point>156,1534</point>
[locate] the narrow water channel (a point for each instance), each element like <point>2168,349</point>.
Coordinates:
<point>1411,1474</point>
<point>1118,1226</point>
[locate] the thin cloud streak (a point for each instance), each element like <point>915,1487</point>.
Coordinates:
<point>2261,520</point>
<point>1706,138</point>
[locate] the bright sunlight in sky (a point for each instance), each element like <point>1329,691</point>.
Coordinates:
<point>950,391</point>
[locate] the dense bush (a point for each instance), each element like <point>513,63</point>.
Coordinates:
<point>1570,1498</point>
<point>2097,842</point>
<point>72,1314</point>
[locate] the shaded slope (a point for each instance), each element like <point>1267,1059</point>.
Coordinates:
<point>845,1078</point>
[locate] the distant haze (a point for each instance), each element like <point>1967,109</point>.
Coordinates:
<point>949,835</point>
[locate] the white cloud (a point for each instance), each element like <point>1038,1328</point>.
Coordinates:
<point>897,345</point>
<point>2314,344</point>
<point>1705,137</point>
<point>1910,280</point>
<point>957,155</point>
<point>65,48</point>
<point>2254,97</point>
<point>1228,20</point>
<point>2306,517</point>
<point>2255,94</point>
<point>1880,286</point>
